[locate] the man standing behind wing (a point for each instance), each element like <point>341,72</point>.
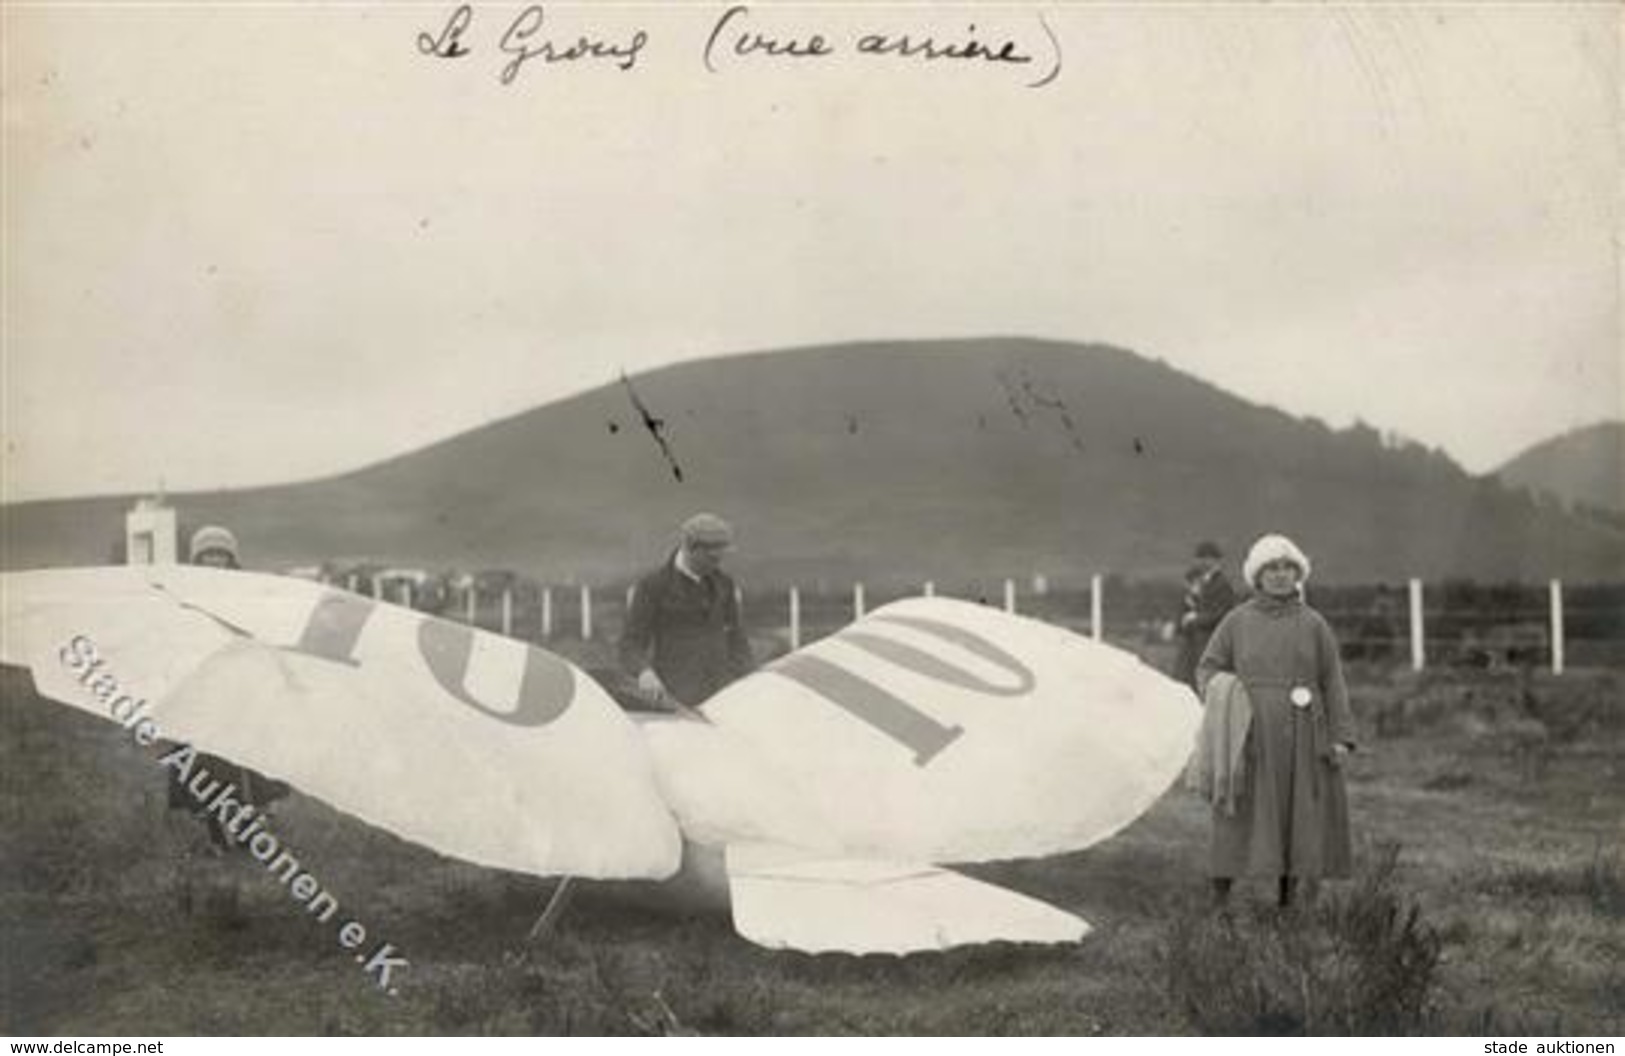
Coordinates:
<point>1208,596</point>
<point>683,639</point>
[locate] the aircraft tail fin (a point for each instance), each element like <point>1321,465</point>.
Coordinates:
<point>789,898</point>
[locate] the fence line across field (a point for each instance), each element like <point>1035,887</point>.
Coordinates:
<point>1544,629</point>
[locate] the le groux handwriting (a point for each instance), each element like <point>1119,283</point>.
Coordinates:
<point>524,41</point>
<point>740,37</point>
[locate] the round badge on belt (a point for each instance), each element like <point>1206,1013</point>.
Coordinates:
<point>1301,696</point>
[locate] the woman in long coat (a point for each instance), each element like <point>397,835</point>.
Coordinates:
<point>1291,820</point>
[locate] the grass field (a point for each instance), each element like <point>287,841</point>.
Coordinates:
<point>1503,794</point>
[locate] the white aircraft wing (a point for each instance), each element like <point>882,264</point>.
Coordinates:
<point>936,730</point>
<point>475,745</point>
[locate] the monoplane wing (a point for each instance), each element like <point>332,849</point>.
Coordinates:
<point>936,730</point>
<point>478,746</point>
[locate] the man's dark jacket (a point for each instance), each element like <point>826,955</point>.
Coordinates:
<point>688,631</point>
<point>1207,598</point>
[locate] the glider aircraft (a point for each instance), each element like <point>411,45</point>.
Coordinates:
<point>822,798</point>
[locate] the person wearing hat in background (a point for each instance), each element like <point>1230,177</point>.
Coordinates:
<point>204,871</point>
<point>214,547</point>
<point>683,638</point>
<point>1291,820</point>
<point>1208,596</point>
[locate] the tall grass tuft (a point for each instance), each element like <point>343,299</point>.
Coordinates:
<point>1360,962</point>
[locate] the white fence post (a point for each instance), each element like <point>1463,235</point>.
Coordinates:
<point>1557,627</point>
<point>406,593</point>
<point>586,613</point>
<point>1097,627</point>
<point>351,582</point>
<point>795,619</point>
<point>471,606</point>
<point>930,588</point>
<point>507,611</point>
<point>547,613</point>
<point>857,601</point>
<point>1009,595</point>
<point>377,588</point>
<point>1418,640</point>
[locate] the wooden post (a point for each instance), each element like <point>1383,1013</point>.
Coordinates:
<point>1009,595</point>
<point>857,601</point>
<point>1418,639</point>
<point>1097,629</point>
<point>507,611</point>
<point>1557,627</point>
<point>795,618</point>
<point>586,613</point>
<point>547,613</point>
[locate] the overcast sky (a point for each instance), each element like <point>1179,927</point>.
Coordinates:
<point>245,245</point>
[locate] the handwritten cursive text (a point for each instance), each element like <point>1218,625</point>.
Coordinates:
<point>524,42</point>
<point>742,36</point>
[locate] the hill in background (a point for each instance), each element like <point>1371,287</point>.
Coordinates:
<point>1581,468</point>
<point>895,462</point>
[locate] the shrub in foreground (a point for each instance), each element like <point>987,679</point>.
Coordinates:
<point>1360,961</point>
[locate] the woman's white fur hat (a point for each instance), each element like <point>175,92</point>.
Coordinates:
<point>1273,548</point>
